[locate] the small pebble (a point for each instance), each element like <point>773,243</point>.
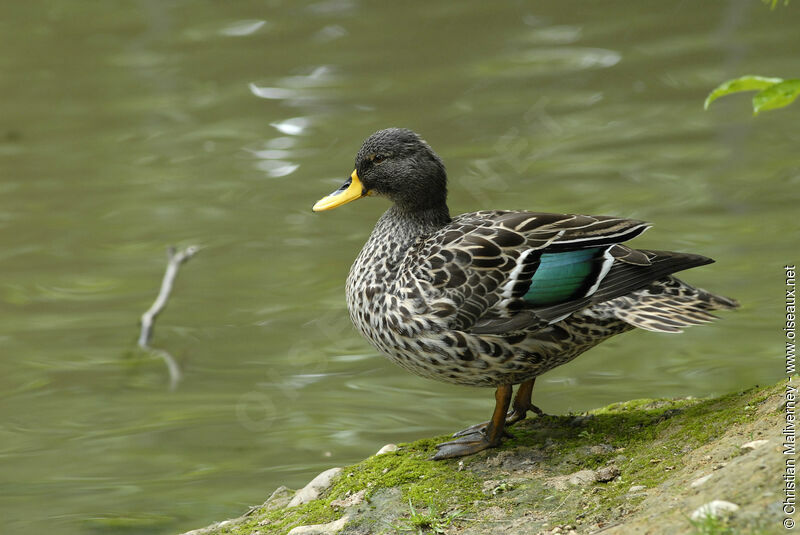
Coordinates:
<point>606,474</point>
<point>387,448</point>
<point>637,488</point>
<point>754,444</point>
<point>321,529</point>
<point>715,509</point>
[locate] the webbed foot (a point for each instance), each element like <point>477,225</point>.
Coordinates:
<point>466,445</point>
<point>482,437</point>
<point>481,428</point>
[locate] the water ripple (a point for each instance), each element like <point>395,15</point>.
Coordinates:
<point>292,127</point>
<point>273,93</point>
<point>243,27</point>
<point>277,168</point>
<point>549,60</point>
<point>298,87</point>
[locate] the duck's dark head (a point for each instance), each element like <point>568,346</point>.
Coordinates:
<point>397,164</point>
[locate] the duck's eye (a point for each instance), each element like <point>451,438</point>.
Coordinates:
<point>378,158</point>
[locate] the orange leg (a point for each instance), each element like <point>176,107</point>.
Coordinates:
<point>483,438</point>
<point>519,409</point>
<point>522,403</point>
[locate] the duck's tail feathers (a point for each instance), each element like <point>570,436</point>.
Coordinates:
<point>669,305</point>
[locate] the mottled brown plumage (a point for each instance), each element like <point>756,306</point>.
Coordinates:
<point>496,298</point>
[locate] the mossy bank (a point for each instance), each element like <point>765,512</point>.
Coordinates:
<point>643,466</point>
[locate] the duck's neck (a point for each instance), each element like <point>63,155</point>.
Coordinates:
<point>404,225</point>
<point>398,228</point>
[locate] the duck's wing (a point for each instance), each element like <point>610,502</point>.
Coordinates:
<point>496,272</point>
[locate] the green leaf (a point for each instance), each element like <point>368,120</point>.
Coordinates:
<point>745,83</point>
<point>776,96</point>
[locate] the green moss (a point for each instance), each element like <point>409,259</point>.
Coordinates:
<point>646,439</point>
<point>282,520</point>
<point>655,435</point>
<point>424,522</point>
<point>439,484</point>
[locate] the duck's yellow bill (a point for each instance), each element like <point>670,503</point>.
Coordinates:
<point>350,191</point>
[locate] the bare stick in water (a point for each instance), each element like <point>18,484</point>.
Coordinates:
<point>174,261</point>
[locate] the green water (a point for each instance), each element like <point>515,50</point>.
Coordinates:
<point>129,126</point>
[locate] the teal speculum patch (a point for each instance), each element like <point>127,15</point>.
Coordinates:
<point>561,276</point>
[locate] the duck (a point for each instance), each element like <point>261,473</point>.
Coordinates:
<point>496,298</point>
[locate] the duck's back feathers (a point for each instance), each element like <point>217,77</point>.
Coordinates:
<point>496,272</point>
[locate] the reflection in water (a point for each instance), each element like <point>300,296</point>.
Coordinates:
<point>330,33</point>
<point>272,154</point>
<point>547,60</point>
<point>292,127</point>
<point>274,159</point>
<point>277,168</point>
<point>128,127</point>
<point>560,35</point>
<point>298,90</point>
<point>243,27</point>
<point>275,93</point>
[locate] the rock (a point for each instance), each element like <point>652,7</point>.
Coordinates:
<point>210,530</point>
<point>315,487</point>
<point>582,478</point>
<point>386,507</point>
<point>606,474</point>
<point>754,444</point>
<point>387,448</point>
<point>700,480</point>
<point>598,449</point>
<point>353,499</point>
<point>562,530</point>
<point>321,529</point>
<point>279,498</point>
<point>715,508</point>
<point>637,488</point>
